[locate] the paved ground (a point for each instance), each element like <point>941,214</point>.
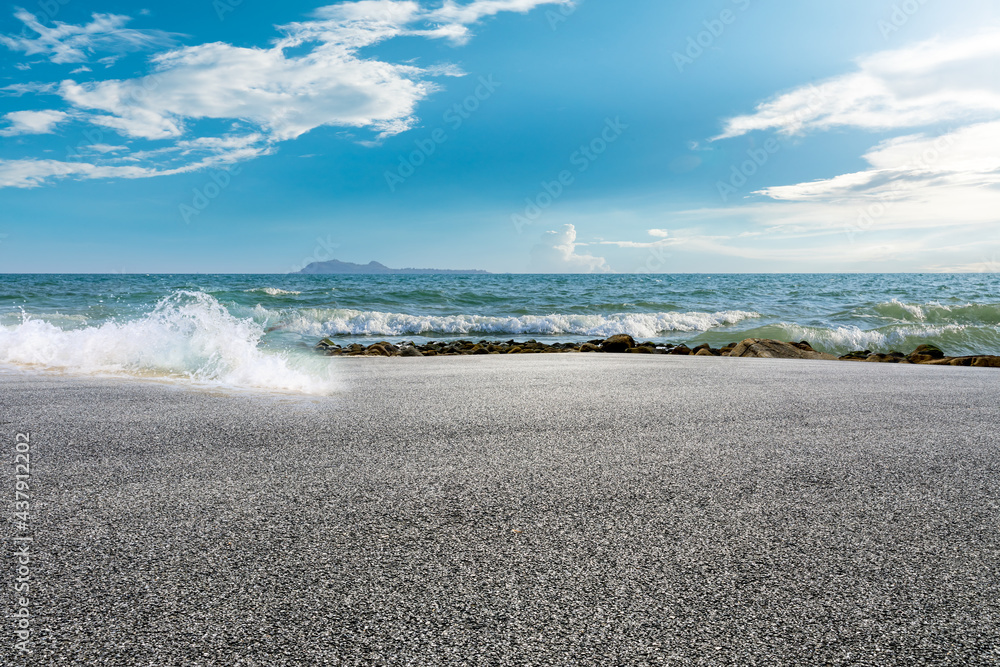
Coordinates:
<point>535,510</point>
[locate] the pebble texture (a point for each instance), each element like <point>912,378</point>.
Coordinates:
<point>518,510</point>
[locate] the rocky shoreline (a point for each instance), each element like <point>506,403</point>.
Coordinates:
<point>625,344</point>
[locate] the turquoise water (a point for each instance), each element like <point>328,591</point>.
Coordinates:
<point>250,329</point>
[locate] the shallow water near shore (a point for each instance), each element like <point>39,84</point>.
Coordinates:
<point>257,330</point>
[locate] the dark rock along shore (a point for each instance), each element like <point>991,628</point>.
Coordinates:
<point>625,344</point>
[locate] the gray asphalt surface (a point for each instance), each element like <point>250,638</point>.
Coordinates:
<point>529,510</point>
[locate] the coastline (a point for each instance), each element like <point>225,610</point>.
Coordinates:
<point>585,508</point>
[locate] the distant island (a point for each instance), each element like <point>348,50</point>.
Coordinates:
<point>336,266</point>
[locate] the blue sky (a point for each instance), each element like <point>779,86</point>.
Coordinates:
<point>507,135</point>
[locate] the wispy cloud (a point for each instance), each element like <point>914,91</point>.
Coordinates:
<point>66,43</point>
<point>938,81</point>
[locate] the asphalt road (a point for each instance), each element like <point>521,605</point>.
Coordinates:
<point>528,510</point>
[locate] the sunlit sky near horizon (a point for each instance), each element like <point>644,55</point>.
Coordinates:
<point>238,136</point>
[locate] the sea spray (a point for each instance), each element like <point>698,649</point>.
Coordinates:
<point>187,334</point>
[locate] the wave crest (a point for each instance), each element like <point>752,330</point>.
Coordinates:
<point>272,291</point>
<point>644,325</point>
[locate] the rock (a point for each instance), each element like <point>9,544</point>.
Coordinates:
<point>875,357</point>
<point>925,354</point>
<point>752,347</point>
<point>774,349</point>
<point>619,343</point>
<point>927,348</point>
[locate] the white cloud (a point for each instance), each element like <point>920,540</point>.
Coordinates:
<point>32,122</point>
<point>454,15</point>
<point>557,254</point>
<point>933,82</point>
<point>915,182</point>
<point>105,148</point>
<point>312,76</point>
<point>284,96</point>
<point>66,43</point>
<point>31,173</point>
<point>661,234</point>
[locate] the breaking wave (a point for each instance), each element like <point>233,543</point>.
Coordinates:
<point>320,322</point>
<point>186,335</point>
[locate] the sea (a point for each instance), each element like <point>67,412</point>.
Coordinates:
<point>257,331</point>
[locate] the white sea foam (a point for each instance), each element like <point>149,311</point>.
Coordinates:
<point>853,338</point>
<point>913,309</point>
<point>935,312</point>
<point>273,291</point>
<point>187,335</point>
<point>646,325</point>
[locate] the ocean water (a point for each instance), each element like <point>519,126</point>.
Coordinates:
<point>257,330</point>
